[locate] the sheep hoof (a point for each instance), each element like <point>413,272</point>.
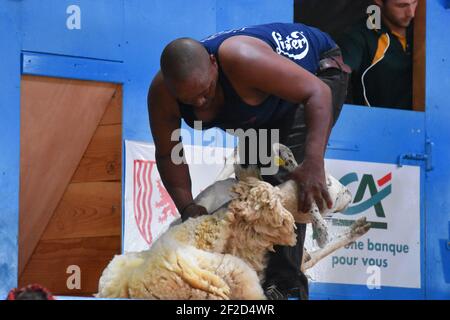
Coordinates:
<point>360,227</point>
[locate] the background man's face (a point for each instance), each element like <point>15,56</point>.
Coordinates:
<point>399,12</point>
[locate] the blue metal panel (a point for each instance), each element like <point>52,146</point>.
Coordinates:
<point>149,26</point>
<point>376,134</point>
<point>437,120</point>
<point>320,291</point>
<point>235,14</point>
<point>100,34</point>
<point>9,143</point>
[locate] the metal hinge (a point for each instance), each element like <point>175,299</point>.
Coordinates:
<point>342,145</point>
<point>427,156</point>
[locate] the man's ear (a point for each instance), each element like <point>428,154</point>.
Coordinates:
<point>213,60</point>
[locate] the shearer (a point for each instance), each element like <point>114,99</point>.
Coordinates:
<point>280,76</point>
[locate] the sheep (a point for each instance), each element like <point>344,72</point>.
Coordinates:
<point>286,161</point>
<point>218,256</point>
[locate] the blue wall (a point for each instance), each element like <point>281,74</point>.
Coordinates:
<point>437,127</point>
<point>9,142</point>
<point>120,41</point>
<point>147,34</point>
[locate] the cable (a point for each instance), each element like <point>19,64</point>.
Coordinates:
<point>371,66</point>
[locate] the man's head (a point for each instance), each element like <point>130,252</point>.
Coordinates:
<point>190,72</point>
<point>398,13</point>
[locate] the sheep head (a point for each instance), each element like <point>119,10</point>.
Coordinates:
<point>258,209</point>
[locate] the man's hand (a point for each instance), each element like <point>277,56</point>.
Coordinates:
<point>311,182</point>
<point>193,211</point>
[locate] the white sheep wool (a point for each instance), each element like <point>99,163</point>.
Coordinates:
<point>220,256</point>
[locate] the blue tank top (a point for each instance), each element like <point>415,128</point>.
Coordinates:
<point>300,43</point>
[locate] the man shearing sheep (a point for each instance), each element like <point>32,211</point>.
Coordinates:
<point>283,76</point>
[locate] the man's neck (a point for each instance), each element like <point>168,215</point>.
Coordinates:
<point>394,28</point>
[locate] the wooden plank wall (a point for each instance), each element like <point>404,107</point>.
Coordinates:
<point>419,56</point>
<point>58,119</point>
<point>85,227</point>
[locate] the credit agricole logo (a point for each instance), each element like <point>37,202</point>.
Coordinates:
<point>378,189</point>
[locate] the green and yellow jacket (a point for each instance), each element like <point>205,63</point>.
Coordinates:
<point>388,82</point>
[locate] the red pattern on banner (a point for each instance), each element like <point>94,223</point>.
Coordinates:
<point>166,203</point>
<point>142,193</point>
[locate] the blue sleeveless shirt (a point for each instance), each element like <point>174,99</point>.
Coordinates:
<point>300,43</point>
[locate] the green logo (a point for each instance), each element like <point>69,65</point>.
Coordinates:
<point>378,190</point>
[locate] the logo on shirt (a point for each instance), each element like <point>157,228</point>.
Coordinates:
<point>294,46</point>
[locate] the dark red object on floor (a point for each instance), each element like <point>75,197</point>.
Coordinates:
<point>30,292</point>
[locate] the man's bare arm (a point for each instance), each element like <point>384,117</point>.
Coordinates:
<point>255,66</point>
<point>164,120</point>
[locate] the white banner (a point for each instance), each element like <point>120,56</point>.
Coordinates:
<point>389,254</point>
<point>388,195</point>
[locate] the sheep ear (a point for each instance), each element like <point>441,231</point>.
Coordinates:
<point>228,169</point>
<point>244,172</point>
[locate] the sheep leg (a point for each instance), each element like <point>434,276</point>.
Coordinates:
<point>199,278</point>
<point>243,280</point>
<point>305,256</point>
<point>319,226</point>
<point>221,275</point>
<point>356,230</point>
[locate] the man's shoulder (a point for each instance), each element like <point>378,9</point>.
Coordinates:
<point>242,47</point>
<point>158,86</point>
<point>158,93</point>
<point>155,85</point>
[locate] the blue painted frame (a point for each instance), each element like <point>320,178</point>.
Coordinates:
<point>437,181</point>
<point>136,61</point>
<point>9,143</point>
<point>61,66</point>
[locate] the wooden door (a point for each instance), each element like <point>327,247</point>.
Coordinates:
<point>70,182</point>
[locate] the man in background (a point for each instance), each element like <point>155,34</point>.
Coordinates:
<point>334,17</point>
<point>381,58</point>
